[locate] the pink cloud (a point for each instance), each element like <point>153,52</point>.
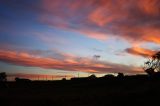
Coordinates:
<point>140,51</point>
<point>68,63</point>
<point>128,19</point>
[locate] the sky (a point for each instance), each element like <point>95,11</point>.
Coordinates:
<point>70,38</point>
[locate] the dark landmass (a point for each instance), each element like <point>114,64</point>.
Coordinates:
<point>104,91</point>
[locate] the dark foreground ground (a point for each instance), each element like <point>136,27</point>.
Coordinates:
<point>94,92</point>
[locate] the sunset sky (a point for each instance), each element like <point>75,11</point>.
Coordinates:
<point>58,38</point>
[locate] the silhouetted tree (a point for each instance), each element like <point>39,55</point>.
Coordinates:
<point>153,64</point>
<point>64,79</point>
<point>22,80</point>
<point>150,71</point>
<point>92,76</point>
<point>120,75</point>
<point>3,77</point>
<point>108,76</point>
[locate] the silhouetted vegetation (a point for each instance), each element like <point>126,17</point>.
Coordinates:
<point>92,76</point>
<point>120,75</point>
<point>108,76</point>
<point>22,80</point>
<point>3,77</point>
<point>64,79</point>
<point>152,66</point>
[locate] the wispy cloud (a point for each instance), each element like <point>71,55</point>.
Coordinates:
<point>69,63</point>
<point>140,51</point>
<point>132,20</point>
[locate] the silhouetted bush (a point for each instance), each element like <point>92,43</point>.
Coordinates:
<point>92,76</point>
<point>150,71</point>
<point>22,80</point>
<point>109,76</point>
<point>3,77</point>
<point>63,79</point>
<point>120,75</point>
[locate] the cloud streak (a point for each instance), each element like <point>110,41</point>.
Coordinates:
<point>132,20</point>
<point>140,51</point>
<point>69,63</point>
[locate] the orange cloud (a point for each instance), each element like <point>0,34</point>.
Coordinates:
<point>99,18</point>
<point>140,51</point>
<point>149,6</point>
<point>131,20</point>
<point>69,63</point>
<point>151,38</point>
